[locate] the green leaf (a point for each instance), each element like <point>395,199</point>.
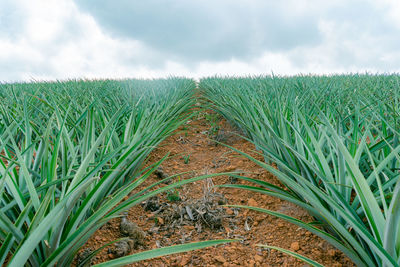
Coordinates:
<point>163,251</point>
<point>294,254</point>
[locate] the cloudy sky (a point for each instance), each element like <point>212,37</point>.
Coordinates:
<point>59,39</point>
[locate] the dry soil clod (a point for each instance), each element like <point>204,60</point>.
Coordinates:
<point>159,172</point>
<point>132,230</point>
<point>124,247</point>
<point>151,204</point>
<point>82,260</point>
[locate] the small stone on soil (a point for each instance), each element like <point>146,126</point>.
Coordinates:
<point>220,259</point>
<point>332,252</point>
<point>252,202</point>
<point>295,246</point>
<point>185,260</point>
<point>229,211</point>
<point>258,258</point>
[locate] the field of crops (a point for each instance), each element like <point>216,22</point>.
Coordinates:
<point>72,157</point>
<point>70,152</point>
<point>335,141</point>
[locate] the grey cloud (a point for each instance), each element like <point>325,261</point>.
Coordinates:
<point>182,35</point>
<point>205,30</point>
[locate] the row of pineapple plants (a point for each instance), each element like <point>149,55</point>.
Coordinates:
<point>71,157</point>
<point>335,141</point>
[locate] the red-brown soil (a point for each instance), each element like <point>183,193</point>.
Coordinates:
<point>250,226</point>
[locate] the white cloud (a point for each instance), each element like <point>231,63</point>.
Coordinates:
<point>392,10</point>
<point>56,39</point>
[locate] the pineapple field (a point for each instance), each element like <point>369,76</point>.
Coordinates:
<point>226,171</point>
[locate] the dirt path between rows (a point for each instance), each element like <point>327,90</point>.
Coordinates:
<point>165,221</point>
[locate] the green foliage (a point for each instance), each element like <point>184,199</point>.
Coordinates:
<point>212,119</point>
<point>185,129</point>
<point>163,251</point>
<point>173,195</point>
<point>186,158</point>
<point>335,141</point>
<point>71,152</point>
